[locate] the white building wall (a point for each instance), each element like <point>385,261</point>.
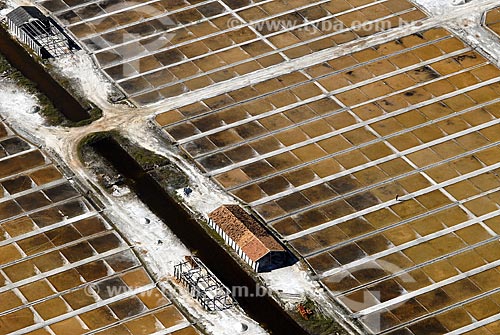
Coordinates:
<point>233,244</point>
<point>23,37</point>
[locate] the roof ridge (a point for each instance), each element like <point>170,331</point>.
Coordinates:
<point>245,231</point>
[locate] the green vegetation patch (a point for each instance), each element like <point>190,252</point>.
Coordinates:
<point>315,321</point>
<point>159,167</point>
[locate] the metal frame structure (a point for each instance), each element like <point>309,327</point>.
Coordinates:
<point>40,32</point>
<point>203,285</point>
<point>48,36</point>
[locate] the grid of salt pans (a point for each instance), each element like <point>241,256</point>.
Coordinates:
<point>381,168</point>
<point>63,269</point>
<point>162,48</point>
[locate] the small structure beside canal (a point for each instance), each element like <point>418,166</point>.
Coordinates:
<point>253,243</point>
<point>41,33</point>
<point>203,285</point>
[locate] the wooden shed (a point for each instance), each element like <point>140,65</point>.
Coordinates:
<point>248,238</point>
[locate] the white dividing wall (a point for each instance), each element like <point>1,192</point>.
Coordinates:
<point>234,245</point>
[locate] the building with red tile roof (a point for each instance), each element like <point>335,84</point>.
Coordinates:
<point>247,237</point>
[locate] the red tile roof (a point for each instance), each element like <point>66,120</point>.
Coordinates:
<point>245,231</point>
